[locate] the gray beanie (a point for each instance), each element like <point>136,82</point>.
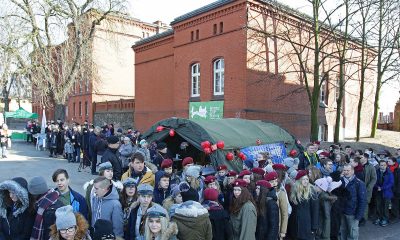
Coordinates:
<point>65,217</point>
<point>193,171</point>
<point>37,186</point>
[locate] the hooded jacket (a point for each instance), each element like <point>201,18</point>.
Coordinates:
<point>81,229</point>
<point>219,217</point>
<point>193,221</point>
<point>159,195</point>
<point>385,181</point>
<point>148,176</point>
<point>15,225</point>
<point>108,208</point>
<point>268,224</point>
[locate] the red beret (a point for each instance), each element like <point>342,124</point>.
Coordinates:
<point>166,163</point>
<point>211,194</point>
<point>186,161</point>
<point>259,171</point>
<point>209,179</point>
<point>231,174</point>
<point>239,183</point>
<point>317,142</point>
<point>244,172</point>
<point>324,154</point>
<point>222,167</point>
<point>271,176</point>
<point>279,166</point>
<point>293,153</point>
<point>264,183</point>
<point>300,174</point>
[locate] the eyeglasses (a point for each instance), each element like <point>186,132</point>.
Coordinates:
<point>68,230</point>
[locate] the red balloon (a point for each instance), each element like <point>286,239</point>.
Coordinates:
<point>205,144</point>
<point>220,144</point>
<point>242,156</point>
<point>229,156</point>
<point>159,128</point>
<point>172,132</point>
<point>207,150</point>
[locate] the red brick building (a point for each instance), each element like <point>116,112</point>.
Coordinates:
<point>208,56</point>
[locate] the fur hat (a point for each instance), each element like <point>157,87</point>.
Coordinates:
<point>156,211</point>
<point>190,195</point>
<point>288,162</point>
<point>193,171</point>
<point>65,217</point>
<point>145,189</point>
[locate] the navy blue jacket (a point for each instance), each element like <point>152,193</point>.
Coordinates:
<point>386,183</point>
<point>78,203</point>
<point>92,143</point>
<point>356,199</point>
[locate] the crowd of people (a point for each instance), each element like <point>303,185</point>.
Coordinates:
<point>140,192</point>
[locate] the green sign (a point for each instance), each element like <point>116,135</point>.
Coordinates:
<point>206,110</point>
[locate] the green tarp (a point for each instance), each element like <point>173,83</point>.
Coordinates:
<point>21,113</point>
<point>236,133</point>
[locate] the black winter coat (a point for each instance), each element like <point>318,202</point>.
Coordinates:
<point>396,186</point>
<point>304,219</point>
<point>268,225</point>
<point>49,218</point>
<point>100,146</point>
<point>221,228</point>
<point>110,155</point>
<point>16,228</point>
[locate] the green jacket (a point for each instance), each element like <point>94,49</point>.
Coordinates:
<point>245,222</point>
<point>370,179</point>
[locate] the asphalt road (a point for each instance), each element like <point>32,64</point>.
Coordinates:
<point>24,160</point>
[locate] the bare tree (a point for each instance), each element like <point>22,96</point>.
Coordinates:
<point>55,67</point>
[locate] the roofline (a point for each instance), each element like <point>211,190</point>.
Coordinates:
<point>154,37</point>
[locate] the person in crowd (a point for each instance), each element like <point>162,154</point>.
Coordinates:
<point>158,226</point>
<point>76,139</point>
<point>161,154</point>
<point>127,197</point>
<point>313,173</point>
<point>249,164</point>
<point>46,203</point>
<point>327,167</point>
<point>69,150</point>
<point>175,197</point>
<point>110,155</point>
<point>52,141</point>
<point>93,136</point>
<point>186,163</point>
<point>4,140</point>
<point>29,132</point>
<point>162,187</point>
<point>222,173</point>
<point>369,180</point>
<point>383,155</point>
<point>69,225</point>
<point>384,195</point>
<point>335,150</point>
<point>372,158</point>
<point>228,188</point>
<point>354,205</point>
<point>303,221</point>
<point>348,151</point>
<point>194,180</point>
<point>103,230</point>
<point>245,175</point>
<point>291,164</point>
<point>358,168</point>
<point>308,157</point>
<point>268,211</point>
<point>144,148</point>
<point>396,195</point>
<point>67,195</point>
<point>262,159</point>
<point>139,209</point>
<point>100,147</point>
<point>138,171</point>
<point>243,212</point>
<point>166,167</point>
<point>126,151</point>
<point>16,212</point>
<point>280,169</point>
<point>190,216</point>
<point>393,165</point>
<point>105,205</point>
<point>219,217</point>
<point>339,162</point>
<point>211,182</point>
<point>325,186</point>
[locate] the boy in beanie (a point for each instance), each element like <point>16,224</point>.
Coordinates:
<point>69,225</point>
<point>46,204</point>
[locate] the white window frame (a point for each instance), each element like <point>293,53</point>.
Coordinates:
<point>219,75</point>
<point>195,80</point>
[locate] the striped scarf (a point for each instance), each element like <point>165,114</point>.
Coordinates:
<point>43,203</point>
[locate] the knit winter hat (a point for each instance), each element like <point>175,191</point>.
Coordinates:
<point>65,217</point>
<point>175,190</point>
<point>193,171</point>
<point>293,174</point>
<point>129,182</point>
<point>288,162</point>
<point>145,189</point>
<point>37,186</point>
<point>157,211</point>
<point>211,194</point>
<point>21,181</point>
<point>103,229</point>
<point>112,140</point>
<point>322,183</point>
<point>105,166</point>
<point>190,194</point>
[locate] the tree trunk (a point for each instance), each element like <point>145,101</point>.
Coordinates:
<point>376,106</point>
<point>59,112</point>
<point>314,123</point>
<point>339,101</point>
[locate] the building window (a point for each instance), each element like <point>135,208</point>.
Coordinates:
<point>219,76</point>
<point>191,36</point>
<point>80,109</point>
<point>215,29</point>
<point>74,109</point>
<point>86,109</point>
<point>221,27</point>
<point>195,78</point>
<point>144,34</point>
<point>197,34</point>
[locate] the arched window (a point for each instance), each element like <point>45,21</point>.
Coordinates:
<point>219,68</point>
<point>195,80</point>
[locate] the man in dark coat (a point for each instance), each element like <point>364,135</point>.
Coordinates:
<point>384,193</point>
<point>76,140</point>
<point>355,203</point>
<point>92,153</point>
<point>110,155</point>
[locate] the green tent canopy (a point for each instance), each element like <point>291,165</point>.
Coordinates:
<point>236,134</point>
<point>21,113</point>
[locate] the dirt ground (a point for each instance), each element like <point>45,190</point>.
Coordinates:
<point>384,139</point>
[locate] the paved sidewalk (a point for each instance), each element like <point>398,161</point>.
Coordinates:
<point>25,161</point>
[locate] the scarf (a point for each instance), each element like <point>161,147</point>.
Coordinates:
<point>347,180</point>
<point>394,167</point>
<point>359,168</point>
<point>43,204</point>
<point>325,172</point>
